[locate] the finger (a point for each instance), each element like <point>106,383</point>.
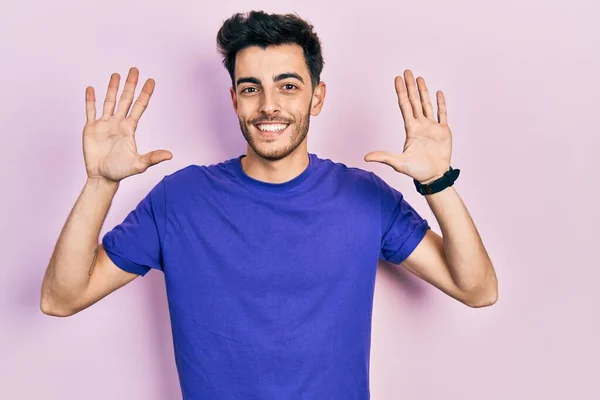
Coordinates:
<point>413,95</point>
<point>111,96</point>
<point>403,101</point>
<point>147,160</point>
<point>142,101</point>
<point>128,92</point>
<point>90,104</point>
<point>394,161</point>
<point>442,111</point>
<point>425,101</point>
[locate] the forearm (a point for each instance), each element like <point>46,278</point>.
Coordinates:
<point>68,271</point>
<point>468,261</point>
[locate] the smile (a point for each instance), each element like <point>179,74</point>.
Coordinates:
<point>271,131</point>
<point>271,127</point>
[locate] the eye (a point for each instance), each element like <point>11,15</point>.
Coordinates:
<point>245,90</point>
<point>290,84</point>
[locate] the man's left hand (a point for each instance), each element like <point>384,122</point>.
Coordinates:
<point>428,145</point>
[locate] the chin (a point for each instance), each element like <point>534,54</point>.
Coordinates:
<point>272,154</point>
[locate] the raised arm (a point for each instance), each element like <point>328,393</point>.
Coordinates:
<point>79,272</point>
<point>456,262</point>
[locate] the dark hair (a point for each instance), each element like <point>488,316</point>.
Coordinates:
<point>258,28</point>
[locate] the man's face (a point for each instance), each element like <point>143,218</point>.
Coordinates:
<point>274,100</point>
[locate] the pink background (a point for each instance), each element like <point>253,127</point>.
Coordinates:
<point>521,82</point>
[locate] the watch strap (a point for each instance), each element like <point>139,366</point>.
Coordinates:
<point>439,184</point>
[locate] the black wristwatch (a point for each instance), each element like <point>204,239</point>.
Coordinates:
<point>439,184</point>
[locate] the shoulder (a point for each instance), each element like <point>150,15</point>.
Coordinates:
<point>195,174</point>
<point>349,174</point>
<point>364,183</point>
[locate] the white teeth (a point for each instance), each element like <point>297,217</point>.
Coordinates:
<point>272,127</point>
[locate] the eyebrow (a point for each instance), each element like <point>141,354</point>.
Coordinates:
<point>276,78</point>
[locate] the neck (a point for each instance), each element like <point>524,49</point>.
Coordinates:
<point>279,171</point>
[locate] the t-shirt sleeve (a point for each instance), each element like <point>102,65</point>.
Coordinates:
<point>401,226</point>
<point>135,245</point>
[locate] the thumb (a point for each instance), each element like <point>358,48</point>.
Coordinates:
<point>154,157</point>
<point>394,161</point>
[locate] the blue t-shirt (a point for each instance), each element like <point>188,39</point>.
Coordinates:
<point>270,286</point>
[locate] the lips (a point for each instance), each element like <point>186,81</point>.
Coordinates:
<point>271,133</point>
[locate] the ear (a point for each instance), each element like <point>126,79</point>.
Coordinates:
<point>233,98</point>
<point>318,98</point>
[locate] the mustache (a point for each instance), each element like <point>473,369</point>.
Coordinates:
<point>270,120</point>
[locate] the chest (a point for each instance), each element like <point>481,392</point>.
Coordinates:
<point>287,246</point>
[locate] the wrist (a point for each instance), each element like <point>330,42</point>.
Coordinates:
<point>428,181</point>
<point>101,184</point>
<point>437,184</point>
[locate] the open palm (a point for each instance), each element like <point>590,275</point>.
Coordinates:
<point>109,147</point>
<point>428,146</point>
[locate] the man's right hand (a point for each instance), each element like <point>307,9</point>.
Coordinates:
<point>109,147</point>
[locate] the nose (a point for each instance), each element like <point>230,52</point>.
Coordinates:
<point>269,102</point>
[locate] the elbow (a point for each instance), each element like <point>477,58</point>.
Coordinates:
<point>486,293</point>
<point>58,303</point>
<point>49,308</point>
<point>483,300</point>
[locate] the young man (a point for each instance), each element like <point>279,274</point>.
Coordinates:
<point>269,258</point>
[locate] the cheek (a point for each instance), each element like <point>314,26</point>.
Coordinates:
<point>244,115</point>
<point>246,110</point>
<point>295,107</point>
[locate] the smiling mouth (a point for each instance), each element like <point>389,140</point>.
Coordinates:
<point>271,129</point>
